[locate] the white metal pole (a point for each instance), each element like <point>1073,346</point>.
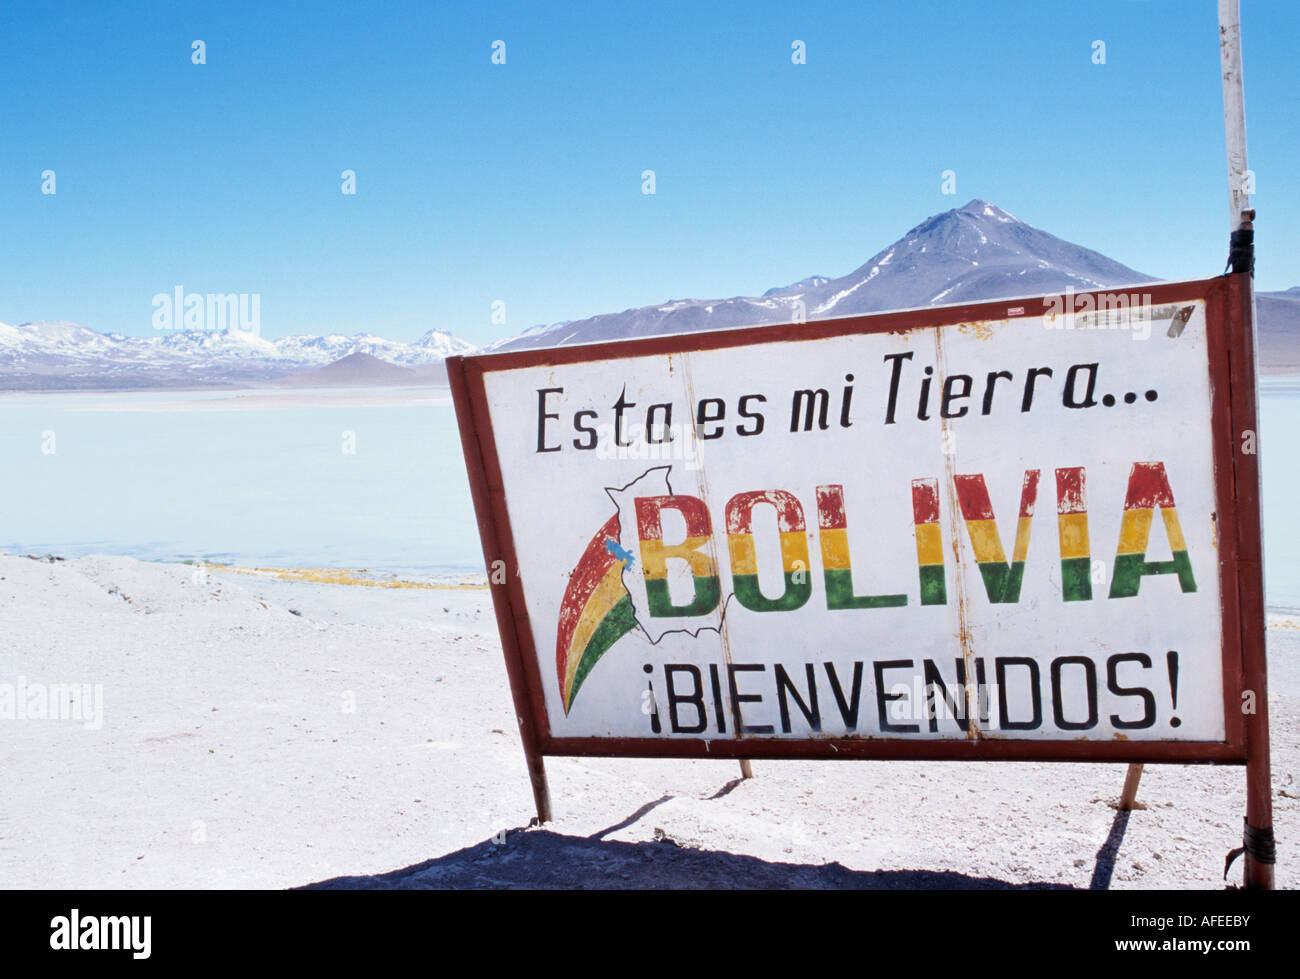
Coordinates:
<point>1234,109</point>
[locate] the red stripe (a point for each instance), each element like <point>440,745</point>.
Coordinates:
<point>648,526</point>
<point>925,501</point>
<point>973,496</point>
<point>830,508</point>
<point>740,510</point>
<point>591,568</point>
<point>692,509</point>
<point>1071,491</point>
<point>1148,487</point>
<point>1029,493</point>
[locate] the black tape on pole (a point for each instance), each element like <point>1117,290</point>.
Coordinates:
<point>1259,843</point>
<point>1241,251</point>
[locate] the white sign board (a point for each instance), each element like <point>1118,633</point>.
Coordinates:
<point>995,529</point>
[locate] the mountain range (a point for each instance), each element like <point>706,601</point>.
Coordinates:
<point>63,356</point>
<point>968,254</point>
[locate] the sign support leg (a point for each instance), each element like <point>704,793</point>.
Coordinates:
<point>1128,798</point>
<point>541,788</point>
<point>745,770</point>
<point>1259,855</point>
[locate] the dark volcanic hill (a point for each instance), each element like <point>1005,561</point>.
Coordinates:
<point>359,370</point>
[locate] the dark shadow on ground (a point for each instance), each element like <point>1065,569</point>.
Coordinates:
<point>1109,851</point>
<point>537,858</point>
<point>726,789</point>
<point>643,811</point>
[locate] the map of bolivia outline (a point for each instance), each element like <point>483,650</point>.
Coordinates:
<point>598,608</point>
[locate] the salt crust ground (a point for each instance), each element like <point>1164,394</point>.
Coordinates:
<point>229,758</point>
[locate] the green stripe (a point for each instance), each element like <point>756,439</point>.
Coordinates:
<point>839,593</point>
<point>934,588</point>
<point>613,627</point>
<point>798,589</point>
<point>1129,569</point>
<point>1002,581</point>
<point>1076,579</point>
<point>708,592</point>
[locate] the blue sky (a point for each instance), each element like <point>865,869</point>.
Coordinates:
<point>522,182</point>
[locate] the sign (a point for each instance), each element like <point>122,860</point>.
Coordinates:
<point>1007,530</point>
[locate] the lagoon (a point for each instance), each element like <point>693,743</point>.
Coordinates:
<point>360,479</point>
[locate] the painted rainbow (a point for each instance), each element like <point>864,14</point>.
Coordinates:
<point>596,611</point>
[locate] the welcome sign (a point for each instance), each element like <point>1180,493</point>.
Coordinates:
<point>1003,531</point>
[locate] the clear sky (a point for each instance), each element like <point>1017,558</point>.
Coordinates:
<point>521,182</point>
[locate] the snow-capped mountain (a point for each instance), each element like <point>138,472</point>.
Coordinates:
<point>434,347</point>
<point>802,286</point>
<point>977,252</point>
<point>216,345</point>
<point>64,355</point>
<point>53,339</point>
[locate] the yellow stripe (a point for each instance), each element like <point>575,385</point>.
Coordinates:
<point>794,550</point>
<point>985,541</point>
<point>929,544</point>
<point>1072,528</point>
<point>1021,549</point>
<point>1174,529</point>
<point>835,549</point>
<point>744,559</point>
<point>604,598</point>
<point>1134,531</point>
<point>655,555</point>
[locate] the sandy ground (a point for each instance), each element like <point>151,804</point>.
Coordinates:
<point>265,733</point>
